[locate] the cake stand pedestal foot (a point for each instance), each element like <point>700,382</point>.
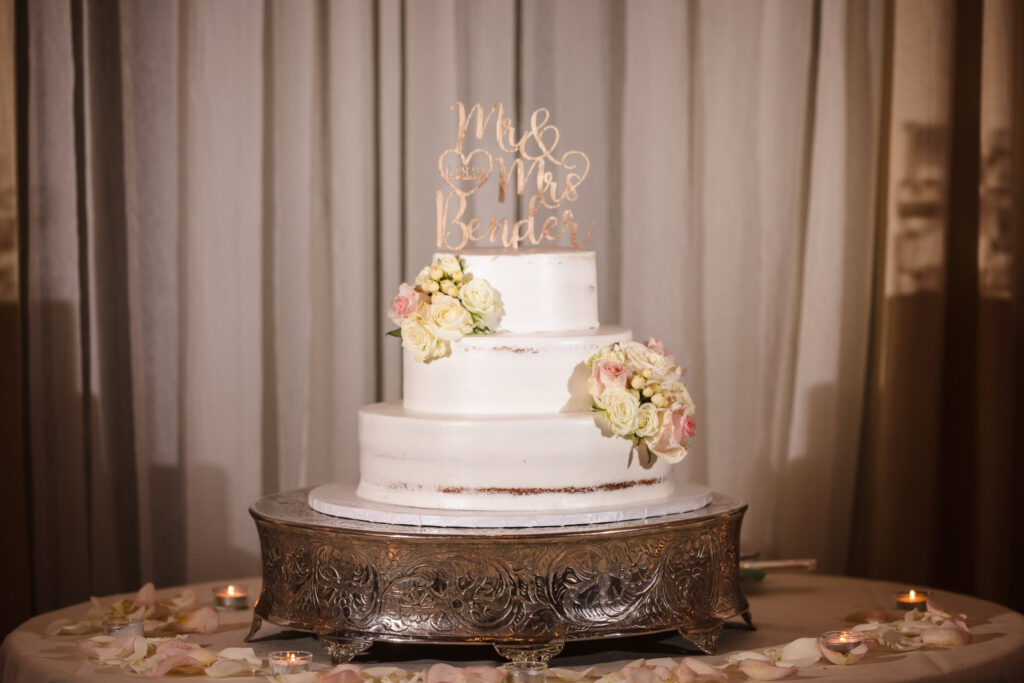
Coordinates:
<point>703,638</point>
<point>750,621</point>
<point>257,624</point>
<point>524,659</point>
<point>341,648</point>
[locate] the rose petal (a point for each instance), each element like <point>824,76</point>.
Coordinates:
<point>175,646</point>
<point>703,670</point>
<point>180,663</point>
<point>203,620</point>
<point>765,671</point>
<point>946,636</point>
<point>146,595</point>
<point>737,657</point>
<point>800,652</point>
<point>230,667</point>
<point>443,673</point>
<point>242,654</point>
<point>66,627</point>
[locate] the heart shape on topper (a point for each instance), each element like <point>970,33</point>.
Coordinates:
<point>458,171</point>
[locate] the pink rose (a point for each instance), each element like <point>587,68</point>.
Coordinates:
<point>405,304</point>
<point>609,373</point>
<point>689,427</point>
<point>668,442</point>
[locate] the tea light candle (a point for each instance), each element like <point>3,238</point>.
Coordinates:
<point>912,600</point>
<point>230,597</point>
<point>290,661</point>
<point>124,626</point>
<point>842,641</point>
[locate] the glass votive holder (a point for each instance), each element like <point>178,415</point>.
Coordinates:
<point>230,597</point>
<point>911,599</point>
<point>522,672</point>
<point>841,641</point>
<point>290,661</point>
<point>124,626</point>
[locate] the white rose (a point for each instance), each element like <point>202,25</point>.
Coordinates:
<point>643,358</point>
<point>622,408</point>
<point>448,319</point>
<point>423,276</point>
<point>423,344</point>
<point>483,300</point>
<point>449,263</point>
<point>648,423</point>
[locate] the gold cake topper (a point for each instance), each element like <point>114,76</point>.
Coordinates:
<point>532,161</point>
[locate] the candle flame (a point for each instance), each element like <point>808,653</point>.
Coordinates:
<point>913,595</point>
<point>291,657</point>
<point>231,590</point>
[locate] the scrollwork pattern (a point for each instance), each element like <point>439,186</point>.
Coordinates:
<point>501,588</point>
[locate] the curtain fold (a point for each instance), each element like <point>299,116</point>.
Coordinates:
<point>938,475</point>
<point>226,195</point>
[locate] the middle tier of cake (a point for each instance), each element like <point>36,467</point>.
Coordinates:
<point>509,462</point>
<point>503,374</point>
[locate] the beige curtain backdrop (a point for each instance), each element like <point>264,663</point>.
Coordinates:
<point>224,196</point>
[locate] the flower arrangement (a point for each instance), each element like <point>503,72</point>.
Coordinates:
<point>637,393</point>
<point>444,304</point>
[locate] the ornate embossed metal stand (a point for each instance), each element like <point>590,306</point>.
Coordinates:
<point>525,591</point>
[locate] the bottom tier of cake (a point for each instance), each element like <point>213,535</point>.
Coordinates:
<point>525,462</point>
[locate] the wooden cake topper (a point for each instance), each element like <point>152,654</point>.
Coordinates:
<point>526,163</point>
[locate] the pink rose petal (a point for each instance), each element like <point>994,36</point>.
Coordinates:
<point>343,673</point>
<point>765,671</point>
<point>179,663</point>
<point>443,673</point>
<point>146,595</point>
<point>175,646</point>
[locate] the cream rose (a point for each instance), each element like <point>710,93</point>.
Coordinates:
<point>643,358</point>
<point>423,344</point>
<point>647,421</point>
<point>422,276</point>
<point>621,408</point>
<point>449,263</point>
<point>483,300</point>
<point>448,319</point>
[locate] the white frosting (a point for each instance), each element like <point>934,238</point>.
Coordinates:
<point>542,290</point>
<point>507,373</point>
<point>535,462</point>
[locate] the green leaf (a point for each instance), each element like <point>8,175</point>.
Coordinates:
<point>397,332</point>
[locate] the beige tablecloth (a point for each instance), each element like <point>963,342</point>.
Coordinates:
<point>784,607</point>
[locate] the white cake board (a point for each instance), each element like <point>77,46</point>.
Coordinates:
<point>340,500</point>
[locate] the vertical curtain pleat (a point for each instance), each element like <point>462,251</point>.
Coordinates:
<point>149,68</point>
<point>831,344</point>
<point>753,93</point>
<point>59,459</point>
<point>222,306</point>
<point>114,500</point>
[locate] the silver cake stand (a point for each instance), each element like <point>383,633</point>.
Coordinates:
<point>526,591</point>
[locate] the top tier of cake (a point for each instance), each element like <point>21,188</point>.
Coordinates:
<point>542,290</point>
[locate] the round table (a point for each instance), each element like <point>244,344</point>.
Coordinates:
<point>784,607</point>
